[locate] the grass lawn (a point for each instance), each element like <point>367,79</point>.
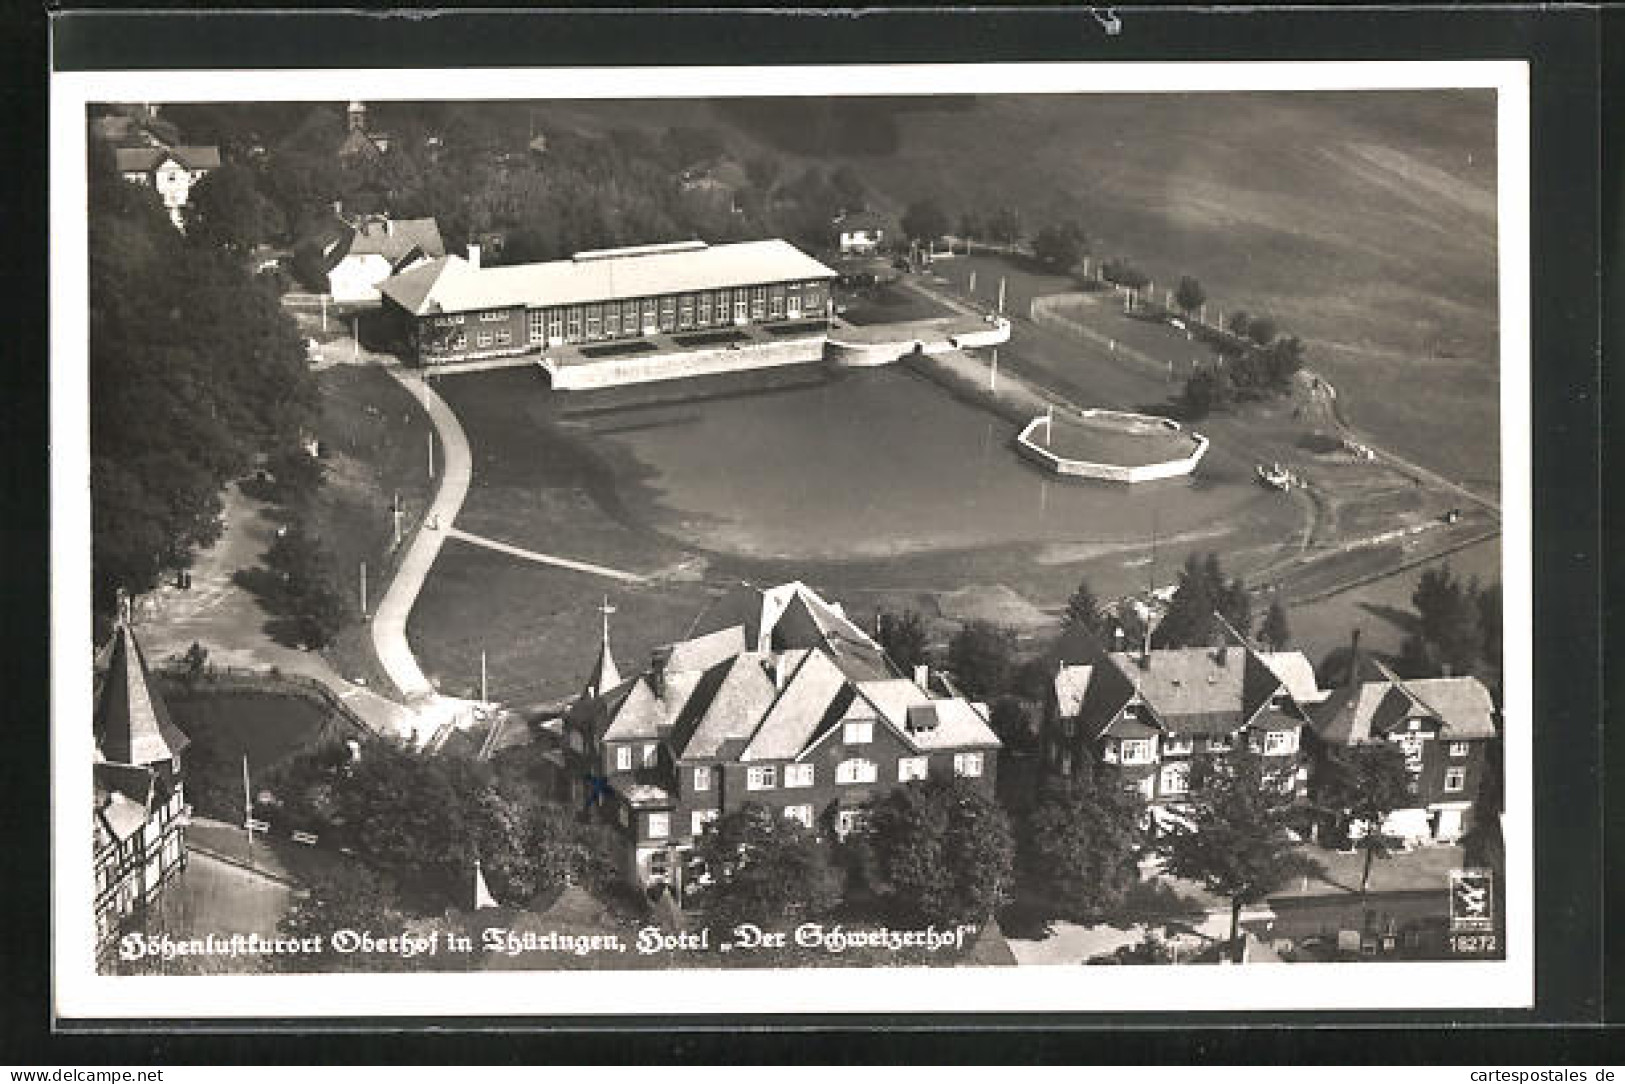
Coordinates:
<point>710,338</point>
<point>542,647</point>
<point>887,304</point>
<point>1382,611</point>
<point>1105,442</point>
<point>636,346</point>
<point>377,441</point>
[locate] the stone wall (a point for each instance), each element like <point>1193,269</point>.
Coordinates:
<point>615,371</point>
<point>1111,472</point>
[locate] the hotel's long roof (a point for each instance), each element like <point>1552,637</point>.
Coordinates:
<point>452,284</point>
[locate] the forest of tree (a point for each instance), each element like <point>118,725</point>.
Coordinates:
<point>194,371</point>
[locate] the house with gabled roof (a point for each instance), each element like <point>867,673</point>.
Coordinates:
<point>371,248</point>
<point>1444,726</point>
<point>1151,713</point>
<point>785,702</point>
<point>170,171</point>
<point>138,802</point>
<point>859,233</point>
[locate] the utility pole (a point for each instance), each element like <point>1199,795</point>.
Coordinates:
<point>323,299</point>
<point>363,590</point>
<point>993,373</point>
<point>431,453</point>
<point>248,811</point>
<point>973,284</point>
<point>395,513</point>
<point>1001,295</point>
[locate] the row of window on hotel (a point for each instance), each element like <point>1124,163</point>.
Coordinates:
<point>671,312</point>
<point>766,777</point>
<point>659,824</point>
<point>1275,743</point>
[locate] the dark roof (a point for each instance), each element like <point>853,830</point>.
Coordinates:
<point>397,240</point>
<point>860,220</point>
<point>125,795</point>
<point>147,159</point>
<point>1379,700</point>
<point>1197,692</point>
<point>769,684</point>
<point>132,723</point>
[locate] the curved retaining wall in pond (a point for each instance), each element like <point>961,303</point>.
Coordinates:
<point>1112,472</point>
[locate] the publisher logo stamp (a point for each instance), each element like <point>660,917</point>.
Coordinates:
<point>1471,900</point>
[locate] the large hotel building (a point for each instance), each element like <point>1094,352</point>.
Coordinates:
<point>452,309</point>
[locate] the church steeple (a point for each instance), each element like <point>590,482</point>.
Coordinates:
<point>132,723</point>
<point>605,676</point>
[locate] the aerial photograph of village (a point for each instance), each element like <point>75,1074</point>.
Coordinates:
<point>978,530</point>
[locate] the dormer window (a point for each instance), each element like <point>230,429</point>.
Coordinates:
<point>1178,745</point>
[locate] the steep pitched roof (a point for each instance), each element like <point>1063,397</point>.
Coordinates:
<point>125,796</point>
<point>960,724</point>
<point>1190,689</point>
<point>704,652</point>
<point>726,709</point>
<point>1296,673</point>
<point>1071,684</point>
<point>950,723</point>
<point>413,290</point>
<point>1355,713</point>
<point>147,159</point>
<point>814,694</point>
<point>132,723</point>
<point>604,674</point>
<point>643,714</point>
<point>393,239</point>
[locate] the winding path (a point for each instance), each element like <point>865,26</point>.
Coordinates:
<point>547,559</point>
<point>389,620</point>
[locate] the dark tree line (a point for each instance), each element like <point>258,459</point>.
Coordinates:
<point>1458,628</point>
<point>194,370</point>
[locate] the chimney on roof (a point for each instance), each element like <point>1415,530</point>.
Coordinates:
<point>657,668</point>
<point>922,675</point>
<point>776,670</point>
<point>1117,637</point>
<point>474,256</point>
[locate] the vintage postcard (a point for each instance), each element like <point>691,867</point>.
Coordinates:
<point>984,538</point>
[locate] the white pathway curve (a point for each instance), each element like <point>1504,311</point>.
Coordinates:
<point>547,559</point>
<point>389,642</point>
